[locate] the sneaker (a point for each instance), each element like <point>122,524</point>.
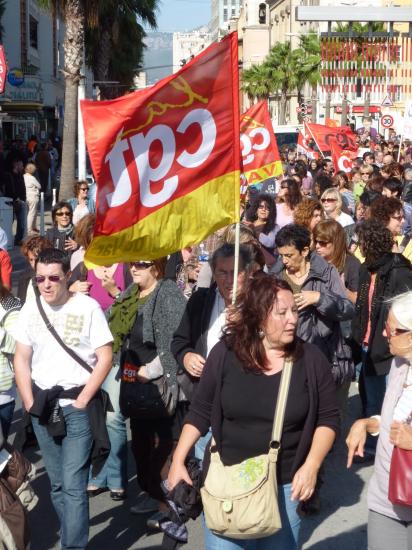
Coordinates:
<point>145,504</point>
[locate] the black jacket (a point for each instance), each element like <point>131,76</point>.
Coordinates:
<point>191,336</point>
<point>393,277</point>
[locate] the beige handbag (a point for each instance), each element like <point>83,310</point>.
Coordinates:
<point>241,501</point>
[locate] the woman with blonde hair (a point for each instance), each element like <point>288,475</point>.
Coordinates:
<point>331,201</point>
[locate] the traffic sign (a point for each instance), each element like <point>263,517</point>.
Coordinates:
<point>387,121</point>
<point>387,102</point>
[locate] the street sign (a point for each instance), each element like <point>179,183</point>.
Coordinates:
<point>387,121</point>
<point>387,102</point>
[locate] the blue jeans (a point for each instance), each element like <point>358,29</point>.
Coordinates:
<point>284,539</point>
<point>67,462</point>
<point>6,417</point>
<point>201,444</point>
<point>114,473</point>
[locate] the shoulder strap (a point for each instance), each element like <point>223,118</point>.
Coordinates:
<point>281,401</point>
<point>53,332</point>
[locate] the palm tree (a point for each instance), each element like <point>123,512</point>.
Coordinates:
<point>360,36</point>
<point>309,67</point>
<point>256,82</point>
<point>282,65</point>
<point>114,43</point>
<point>77,14</point>
<point>73,12</point>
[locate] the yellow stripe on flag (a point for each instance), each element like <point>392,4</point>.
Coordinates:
<point>273,169</point>
<point>215,202</point>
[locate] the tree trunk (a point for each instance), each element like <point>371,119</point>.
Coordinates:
<point>344,115</point>
<point>73,59</point>
<point>101,71</point>
<point>327,105</point>
<point>366,103</point>
<point>282,108</point>
<point>314,103</point>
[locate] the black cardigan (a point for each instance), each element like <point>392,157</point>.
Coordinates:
<point>206,409</point>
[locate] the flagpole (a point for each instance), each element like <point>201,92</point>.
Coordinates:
<point>313,137</point>
<point>236,267</point>
<point>400,146</point>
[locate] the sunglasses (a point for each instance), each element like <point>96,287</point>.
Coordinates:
<point>328,200</point>
<point>141,265</point>
<point>395,332</point>
<point>364,174</point>
<point>52,278</point>
<point>84,188</point>
<point>321,243</point>
<point>64,213</point>
<point>263,207</point>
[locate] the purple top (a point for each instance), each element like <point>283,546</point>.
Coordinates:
<point>99,293</point>
<point>379,484</point>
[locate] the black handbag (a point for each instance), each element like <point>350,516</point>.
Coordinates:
<point>153,399</point>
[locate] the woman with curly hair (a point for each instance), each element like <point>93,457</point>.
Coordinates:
<point>383,275</point>
<point>389,212</point>
<point>288,197</point>
<point>262,218</point>
<point>308,213</point>
<point>245,367</point>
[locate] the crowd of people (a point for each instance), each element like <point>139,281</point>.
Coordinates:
<point>324,292</point>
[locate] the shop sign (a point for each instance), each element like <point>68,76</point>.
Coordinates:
<point>31,91</point>
<point>3,69</point>
<point>15,77</point>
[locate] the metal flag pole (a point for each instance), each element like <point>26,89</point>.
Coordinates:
<point>42,214</point>
<point>236,266</point>
<point>313,137</point>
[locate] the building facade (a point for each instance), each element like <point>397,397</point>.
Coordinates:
<point>33,100</point>
<point>222,12</point>
<point>188,44</point>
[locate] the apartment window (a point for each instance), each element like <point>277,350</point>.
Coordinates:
<point>225,15</point>
<point>233,12</point>
<point>33,32</point>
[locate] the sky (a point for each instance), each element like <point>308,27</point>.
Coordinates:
<point>182,15</point>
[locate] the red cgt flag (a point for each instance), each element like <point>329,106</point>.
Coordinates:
<point>167,169</point>
<point>3,69</point>
<point>325,135</point>
<point>342,158</point>
<point>260,155</point>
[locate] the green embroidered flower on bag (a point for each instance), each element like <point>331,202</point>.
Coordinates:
<point>249,471</point>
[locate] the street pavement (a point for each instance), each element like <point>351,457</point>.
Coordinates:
<point>340,525</point>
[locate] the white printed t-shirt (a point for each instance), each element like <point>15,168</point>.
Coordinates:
<point>81,324</point>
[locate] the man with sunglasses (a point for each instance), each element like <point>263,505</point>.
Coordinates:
<point>54,386</point>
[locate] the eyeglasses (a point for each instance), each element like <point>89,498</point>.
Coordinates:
<point>64,213</point>
<point>364,174</point>
<point>52,278</point>
<point>395,332</point>
<point>328,200</point>
<point>84,188</point>
<point>322,243</point>
<point>141,265</point>
<point>263,207</point>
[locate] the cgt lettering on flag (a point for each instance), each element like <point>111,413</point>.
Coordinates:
<point>260,155</point>
<point>166,167</point>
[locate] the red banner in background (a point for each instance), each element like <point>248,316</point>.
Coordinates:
<point>3,69</point>
<point>167,160</point>
<point>260,155</point>
<point>325,135</point>
<point>342,158</point>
